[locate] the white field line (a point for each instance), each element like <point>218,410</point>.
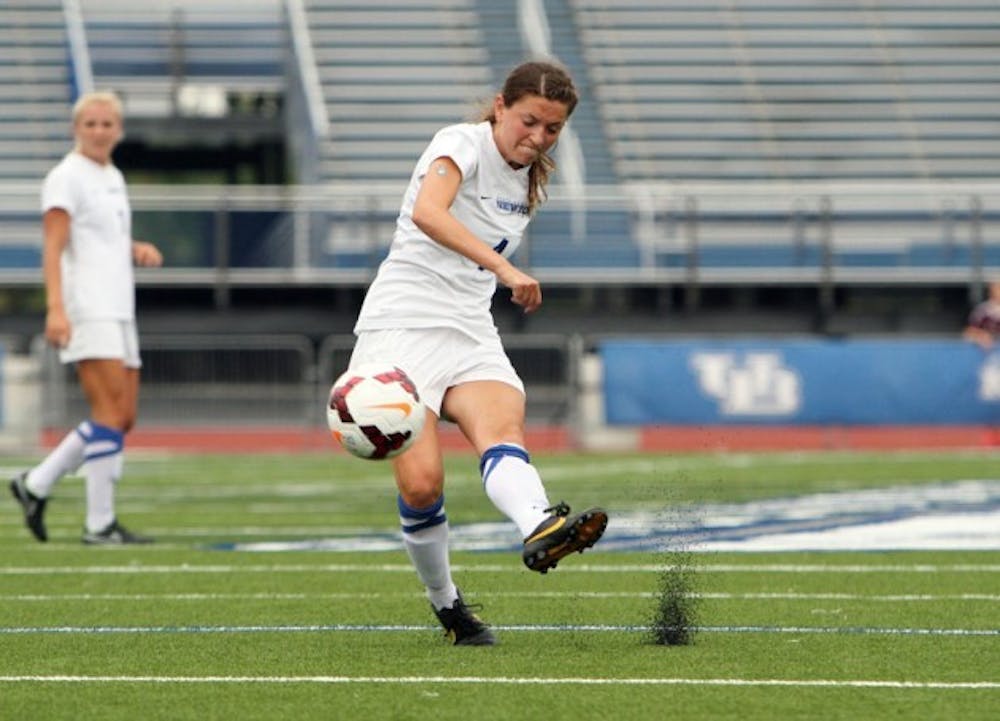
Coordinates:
<point>534,628</point>
<point>499,568</point>
<point>509,681</point>
<point>900,598</point>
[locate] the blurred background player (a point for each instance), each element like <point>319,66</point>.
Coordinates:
<point>87,258</point>
<point>983,326</point>
<point>470,197</point>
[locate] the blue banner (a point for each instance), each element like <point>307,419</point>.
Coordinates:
<point>800,382</point>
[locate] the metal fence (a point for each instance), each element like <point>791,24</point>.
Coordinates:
<point>281,380</point>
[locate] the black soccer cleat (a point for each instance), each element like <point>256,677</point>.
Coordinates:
<point>562,534</point>
<point>32,505</point>
<point>114,534</point>
<point>462,627</point>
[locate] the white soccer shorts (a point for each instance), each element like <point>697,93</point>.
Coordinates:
<point>437,359</point>
<point>94,339</point>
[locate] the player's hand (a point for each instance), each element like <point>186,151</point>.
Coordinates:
<point>57,328</point>
<point>525,290</point>
<point>146,254</point>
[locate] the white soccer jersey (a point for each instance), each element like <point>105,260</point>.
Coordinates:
<point>97,277</point>
<point>422,284</point>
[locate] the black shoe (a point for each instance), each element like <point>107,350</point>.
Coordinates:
<point>115,534</point>
<point>463,627</point>
<point>33,506</point>
<point>561,534</point>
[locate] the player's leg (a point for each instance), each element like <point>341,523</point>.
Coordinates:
<point>491,415</point>
<point>111,390</point>
<point>420,470</point>
<point>130,407</point>
<point>420,480</point>
<point>32,488</point>
<point>425,356</point>
<point>104,383</point>
<point>64,458</point>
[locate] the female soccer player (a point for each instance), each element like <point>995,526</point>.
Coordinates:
<point>87,258</point>
<point>470,197</point>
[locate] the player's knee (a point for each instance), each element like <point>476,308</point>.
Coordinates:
<point>421,497</point>
<point>128,422</point>
<point>419,477</point>
<point>421,490</point>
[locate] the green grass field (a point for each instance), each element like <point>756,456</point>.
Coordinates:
<point>184,630</point>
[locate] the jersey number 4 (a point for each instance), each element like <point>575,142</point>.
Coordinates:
<point>499,248</point>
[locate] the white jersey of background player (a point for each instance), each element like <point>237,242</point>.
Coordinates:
<point>96,266</point>
<point>87,257</point>
<point>428,311</point>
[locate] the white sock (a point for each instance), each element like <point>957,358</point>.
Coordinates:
<point>64,458</point>
<point>425,536</point>
<point>514,486</point>
<point>102,461</point>
<point>99,473</point>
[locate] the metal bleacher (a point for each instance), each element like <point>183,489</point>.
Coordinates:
<point>786,90</point>
<point>748,141</point>
<point>152,54</point>
<point>393,72</point>
<point>34,120</point>
<point>823,103</point>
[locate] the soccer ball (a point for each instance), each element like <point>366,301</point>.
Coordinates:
<point>375,411</point>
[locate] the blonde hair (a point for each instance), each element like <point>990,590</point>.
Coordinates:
<point>103,96</point>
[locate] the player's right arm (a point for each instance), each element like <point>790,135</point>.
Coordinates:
<point>432,214</point>
<point>55,238</point>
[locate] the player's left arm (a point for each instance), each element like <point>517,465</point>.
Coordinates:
<point>146,254</point>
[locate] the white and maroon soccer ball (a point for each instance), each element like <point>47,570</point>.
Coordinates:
<point>375,411</point>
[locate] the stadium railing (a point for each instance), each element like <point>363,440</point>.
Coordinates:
<point>228,236</point>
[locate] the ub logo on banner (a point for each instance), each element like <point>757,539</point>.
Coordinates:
<point>760,385</point>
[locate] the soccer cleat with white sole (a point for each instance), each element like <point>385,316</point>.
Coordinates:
<point>562,534</point>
